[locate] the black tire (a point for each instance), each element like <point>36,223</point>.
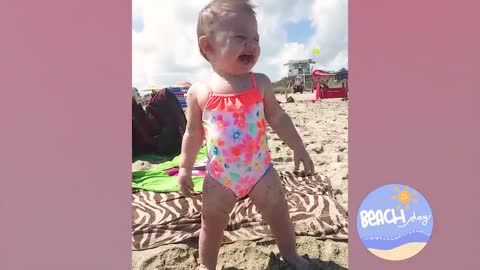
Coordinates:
<point>297,89</point>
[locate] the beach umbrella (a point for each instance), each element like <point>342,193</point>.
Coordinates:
<point>183,84</point>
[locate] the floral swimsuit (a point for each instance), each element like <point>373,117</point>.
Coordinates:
<point>237,149</point>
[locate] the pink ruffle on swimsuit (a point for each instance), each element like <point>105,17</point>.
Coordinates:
<point>237,149</point>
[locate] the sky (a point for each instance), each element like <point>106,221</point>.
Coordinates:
<point>165,47</point>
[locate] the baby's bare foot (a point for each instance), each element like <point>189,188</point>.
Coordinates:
<point>300,263</point>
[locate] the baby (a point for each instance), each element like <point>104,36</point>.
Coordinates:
<point>231,111</point>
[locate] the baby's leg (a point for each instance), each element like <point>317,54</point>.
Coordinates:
<point>269,199</point>
<point>217,203</point>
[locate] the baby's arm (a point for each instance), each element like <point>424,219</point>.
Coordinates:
<point>193,137</point>
<point>281,123</point>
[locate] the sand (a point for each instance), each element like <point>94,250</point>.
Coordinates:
<point>324,128</point>
<point>400,253</point>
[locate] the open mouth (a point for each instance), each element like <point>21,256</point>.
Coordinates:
<point>245,59</point>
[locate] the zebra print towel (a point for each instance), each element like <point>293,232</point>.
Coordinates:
<point>166,218</point>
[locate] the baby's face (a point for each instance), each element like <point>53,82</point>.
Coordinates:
<point>235,43</point>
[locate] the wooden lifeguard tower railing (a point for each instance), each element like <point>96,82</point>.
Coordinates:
<point>322,93</point>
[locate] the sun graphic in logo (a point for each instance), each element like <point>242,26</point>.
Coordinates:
<point>404,196</point>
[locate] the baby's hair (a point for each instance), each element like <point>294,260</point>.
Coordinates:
<point>208,16</point>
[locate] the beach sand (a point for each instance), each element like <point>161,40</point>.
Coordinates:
<point>324,128</point>
<point>400,253</point>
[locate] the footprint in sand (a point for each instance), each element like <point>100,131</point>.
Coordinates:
<point>307,143</point>
<point>318,150</point>
<point>307,135</point>
<point>282,159</point>
<point>327,141</point>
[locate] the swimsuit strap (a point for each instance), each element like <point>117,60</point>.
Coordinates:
<point>254,82</point>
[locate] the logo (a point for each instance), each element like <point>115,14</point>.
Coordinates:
<point>395,222</point>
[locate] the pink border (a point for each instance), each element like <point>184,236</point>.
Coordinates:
<point>412,115</point>
<point>65,198</point>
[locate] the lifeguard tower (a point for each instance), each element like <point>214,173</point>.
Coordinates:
<point>300,68</point>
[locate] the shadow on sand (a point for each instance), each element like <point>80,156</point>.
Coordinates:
<point>275,263</point>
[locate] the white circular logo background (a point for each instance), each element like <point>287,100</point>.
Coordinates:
<point>395,222</point>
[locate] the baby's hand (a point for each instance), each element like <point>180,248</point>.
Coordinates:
<point>185,181</point>
<point>303,156</point>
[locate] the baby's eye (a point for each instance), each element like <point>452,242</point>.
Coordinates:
<point>240,37</point>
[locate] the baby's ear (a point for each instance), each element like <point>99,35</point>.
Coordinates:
<point>205,45</point>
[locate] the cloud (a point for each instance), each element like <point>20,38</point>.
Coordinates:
<point>330,19</point>
<point>166,51</point>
